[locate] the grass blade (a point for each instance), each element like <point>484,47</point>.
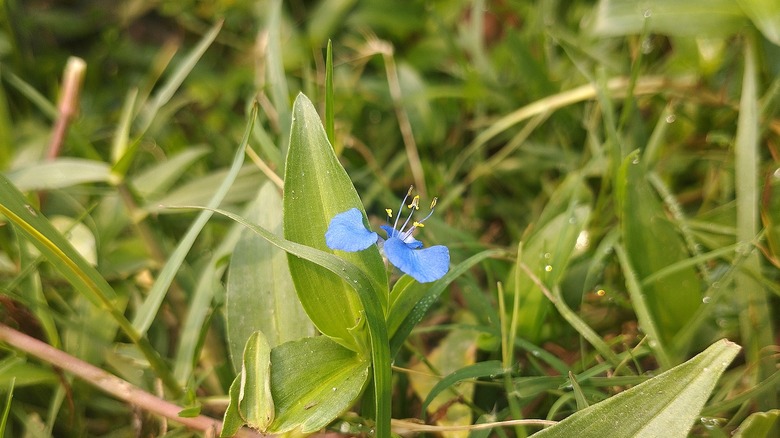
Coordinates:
<point>148,310</point>
<point>754,318</point>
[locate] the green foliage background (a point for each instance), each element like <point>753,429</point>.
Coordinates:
<point>620,157</point>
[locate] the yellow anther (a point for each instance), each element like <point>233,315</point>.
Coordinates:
<point>418,224</point>
<point>409,193</point>
<point>389,212</point>
<point>415,203</point>
<point>433,203</point>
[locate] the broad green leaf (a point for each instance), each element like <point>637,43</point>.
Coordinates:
<point>666,405</point>
<point>313,381</point>
<point>701,17</point>
<point>765,14</point>
<point>255,402</point>
<point>260,292</point>
<point>758,425</point>
<point>652,243</point>
<point>374,318</point>
<point>60,173</point>
<point>316,188</point>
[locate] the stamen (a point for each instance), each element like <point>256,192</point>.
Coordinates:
<point>418,224</point>
<point>433,203</point>
<point>401,208</point>
<point>389,212</point>
<point>415,203</point>
<point>407,219</point>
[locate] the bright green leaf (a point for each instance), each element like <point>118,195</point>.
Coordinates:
<point>666,405</point>
<point>313,381</point>
<point>255,403</point>
<point>758,425</point>
<point>374,319</point>
<point>316,188</point>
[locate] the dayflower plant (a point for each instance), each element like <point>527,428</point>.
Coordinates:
<point>347,232</point>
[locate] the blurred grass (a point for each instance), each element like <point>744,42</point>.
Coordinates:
<point>521,116</point>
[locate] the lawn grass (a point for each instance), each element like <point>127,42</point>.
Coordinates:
<point>608,183</point>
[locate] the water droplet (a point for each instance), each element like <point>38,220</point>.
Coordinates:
<point>548,268</point>
<point>30,209</point>
<point>547,255</point>
<point>715,285</point>
<point>333,389</point>
<point>706,300</point>
<point>647,13</point>
<point>706,369</point>
<point>572,220</point>
<point>671,118</point>
<point>635,160</point>
<point>536,353</point>
<point>777,173</point>
<point>583,241</point>
<point>709,423</point>
<point>647,46</point>
<point>344,427</point>
<point>303,173</point>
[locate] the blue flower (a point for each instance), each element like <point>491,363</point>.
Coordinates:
<point>347,232</point>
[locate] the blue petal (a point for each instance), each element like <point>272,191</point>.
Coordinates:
<point>347,232</point>
<point>410,241</point>
<point>424,265</point>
